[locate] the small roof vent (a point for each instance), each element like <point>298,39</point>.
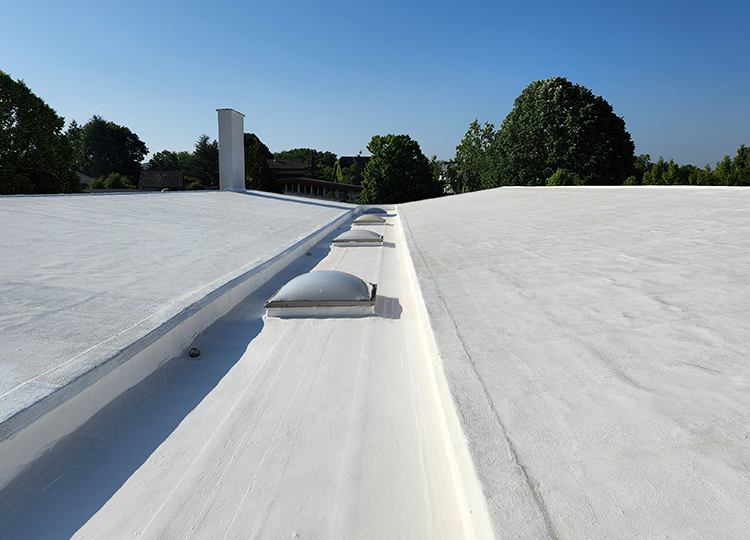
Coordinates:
<point>358,235</point>
<point>326,293</point>
<point>368,219</point>
<point>374,210</point>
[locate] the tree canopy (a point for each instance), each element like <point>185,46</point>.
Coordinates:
<point>167,160</point>
<point>105,147</point>
<point>555,124</point>
<point>35,155</point>
<point>472,169</point>
<point>398,172</point>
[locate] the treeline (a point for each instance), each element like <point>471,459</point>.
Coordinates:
<point>199,167</point>
<point>728,172</point>
<point>559,133</point>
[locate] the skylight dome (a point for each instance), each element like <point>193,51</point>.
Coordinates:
<point>374,210</point>
<point>358,236</point>
<point>323,293</point>
<point>368,219</point>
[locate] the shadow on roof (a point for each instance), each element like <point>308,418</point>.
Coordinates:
<point>67,486</point>
<point>388,307</point>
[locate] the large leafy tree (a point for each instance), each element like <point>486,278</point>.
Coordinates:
<point>556,124</point>
<point>166,160</point>
<point>258,174</point>
<point>472,168</point>
<point>398,172</point>
<point>106,147</point>
<point>35,155</point>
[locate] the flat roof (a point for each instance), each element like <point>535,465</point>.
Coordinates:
<point>596,341</point>
<point>81,274</point>
<point>319,427</point>
<point>566,362</point>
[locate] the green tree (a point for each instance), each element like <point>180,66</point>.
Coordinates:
<point>702,177</point>
<point>167,160</point>
<point>564,178</point>
<point>258,173</point>
<point>354,174</point>
<point>204,165</point>
<point>338,173</point>
<point>108,147</point>
<point>655,174</point>
<point>195,186</point>
<point>35,155</point>
<point>734,172</point>
<point>326,173</point>
<point>74,134</point>
<point>664,173</point>
<point>554,125</point>
<point>472,168</point>
<point>112,181</point>
<point>398,172</point>
<point>642,164</point>
<point>317,162</point>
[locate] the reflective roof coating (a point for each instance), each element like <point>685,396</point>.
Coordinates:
<point>374,210</point>
<point>324,288</point>
<point>369,218</point>
<point>359,235</point>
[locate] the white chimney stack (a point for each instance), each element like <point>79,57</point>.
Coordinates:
<point>231,150</point>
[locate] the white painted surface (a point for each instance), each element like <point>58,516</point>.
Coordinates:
<point>284,428</point>
<point>231,153</point>
<point>595,342</point>
<point>154,282</point>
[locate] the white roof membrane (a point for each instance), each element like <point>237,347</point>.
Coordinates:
<point>88,278</point>
<point>596,340</point>
<point>284,428</point>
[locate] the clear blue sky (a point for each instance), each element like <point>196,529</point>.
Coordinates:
<point>329,74</point>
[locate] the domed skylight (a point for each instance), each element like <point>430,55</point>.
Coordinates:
<point>368,219</point>
<point>374,210</point>
<point>323,293</point>
<point>358,235</point>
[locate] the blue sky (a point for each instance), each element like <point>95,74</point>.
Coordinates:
<point>329,74</point>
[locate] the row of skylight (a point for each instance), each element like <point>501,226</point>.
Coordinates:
<point>327,293</point>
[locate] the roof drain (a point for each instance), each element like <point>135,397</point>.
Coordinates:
<point>326,293</point>
<point>368,219</point>
<point>359,236</point>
